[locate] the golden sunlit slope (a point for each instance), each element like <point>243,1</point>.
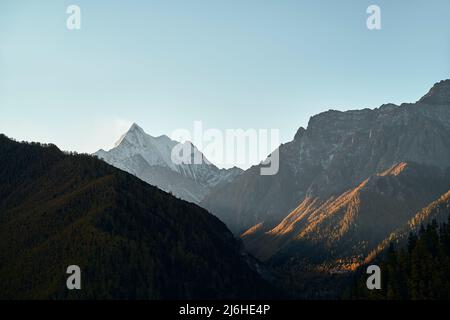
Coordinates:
<point>348,226</point>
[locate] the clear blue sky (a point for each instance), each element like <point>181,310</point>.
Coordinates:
<point>230,63</point>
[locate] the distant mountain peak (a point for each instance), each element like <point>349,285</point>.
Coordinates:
<point>150,158</point>
<point>439,94</point>
<point>133,134</point>
<point>135,127</point>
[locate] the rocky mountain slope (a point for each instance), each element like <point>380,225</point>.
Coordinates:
<point>330,172</point>
<point>337,151</point>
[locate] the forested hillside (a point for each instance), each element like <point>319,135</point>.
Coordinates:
<point>131,240</point>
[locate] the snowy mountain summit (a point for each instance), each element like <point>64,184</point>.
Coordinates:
<point>150,159</point>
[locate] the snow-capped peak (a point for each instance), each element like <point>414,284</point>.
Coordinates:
<point>140,153</point>
<point>134,135</point>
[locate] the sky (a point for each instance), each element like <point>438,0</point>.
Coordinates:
<point>266,64</point>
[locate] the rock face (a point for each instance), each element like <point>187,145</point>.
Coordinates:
<point>149,158</point>
<point>335,155</point>
<point>438,95</point>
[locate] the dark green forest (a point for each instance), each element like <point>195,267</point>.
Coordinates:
<point>131,240</point>
<point>418,271</point>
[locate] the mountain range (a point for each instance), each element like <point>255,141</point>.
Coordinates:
<point>348,186</point>
<point>345,183</point>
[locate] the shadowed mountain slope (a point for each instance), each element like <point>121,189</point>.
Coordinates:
<point>131,240</point>
<point>438,211</point>
<point>336,152</point>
